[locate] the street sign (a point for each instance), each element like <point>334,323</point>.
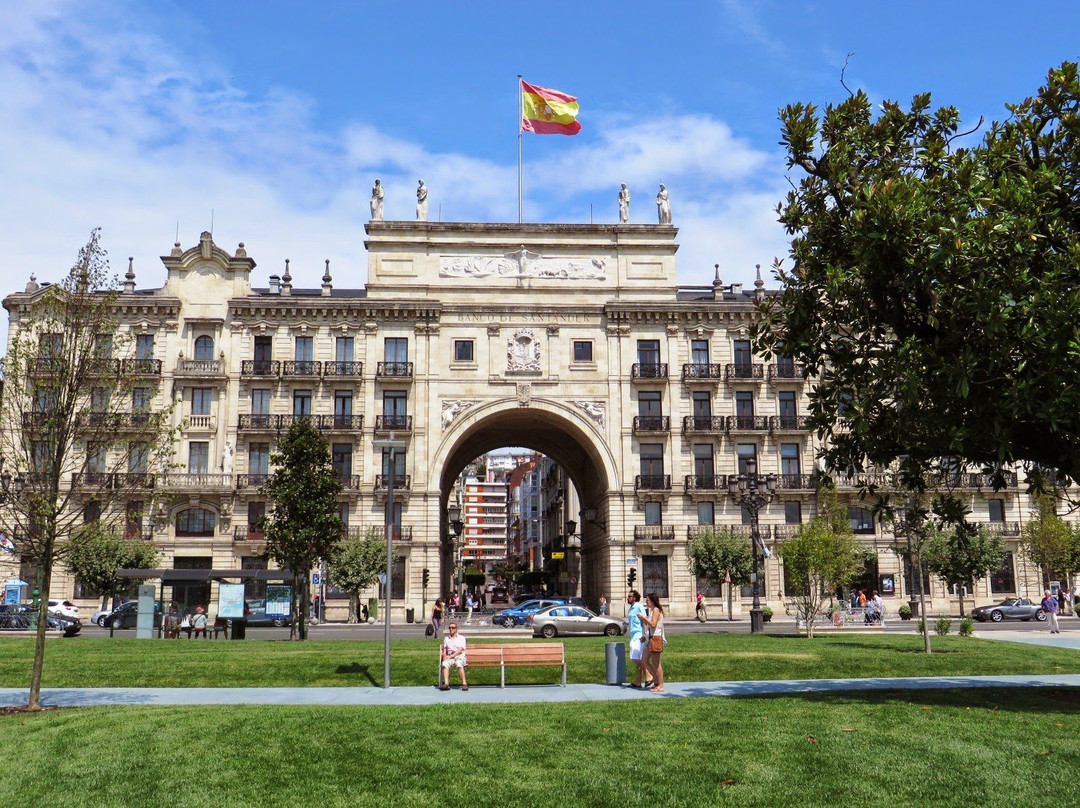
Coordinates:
<point>558,556</point>
<point>573,580</point>
<point>315,579</point>
<point>631,562</point>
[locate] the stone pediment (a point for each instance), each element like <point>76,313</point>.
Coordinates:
<point>207,259</point>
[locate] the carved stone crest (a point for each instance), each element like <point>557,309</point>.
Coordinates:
<point>596,410</point>
<point>524,394</point>
<point>523,352</point>
<point>451,410</point>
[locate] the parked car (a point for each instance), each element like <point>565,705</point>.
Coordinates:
<point>499,594</point>
<point>1010,609</point>
<point>126,615</point>
<point>258,616</point>
<point>99,617</point>
<point>63,608</point>
<point>18,616</point>
<point>520,613</point>
<point>556,620</point>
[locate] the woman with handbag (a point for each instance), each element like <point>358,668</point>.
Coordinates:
<point>654,618</point>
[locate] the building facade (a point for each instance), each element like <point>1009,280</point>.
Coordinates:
<point>572,340</point>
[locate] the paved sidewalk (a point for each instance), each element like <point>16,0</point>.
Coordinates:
<point>524,694</point>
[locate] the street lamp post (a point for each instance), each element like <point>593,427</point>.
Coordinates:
<point>391,447</point>
<point>453,516</point>
<point>753,493</point>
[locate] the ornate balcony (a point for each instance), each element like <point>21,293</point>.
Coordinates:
<point>745,372</point>
<point>704,424</point>
<point>788,423</point>
<point>695,372</point>
<point>351,482</point>
<point>344,370</point>
<point>113,480</point>
<point>402,482</point>
<point>247,534</point>
<point>119,421</point>
<point>654,424</point>
<point>652,482</point>
<point>400,532</point>
<point>199,369</point>
<point>301,368</point>
<point>787,372</point>
<point>394,370</point>
<point>35,421</point>
<point>143,367</point>
<point>706,482</point>
<point>697,531</point>
<point>262,422</point>
<point>201,423</point>
<point>393,423</point>
<point>286,421</point>
<point>649,372</point>
<point>985,481</point>
<point>654,533</point>
<point>103,367</point>
<point>796,482</point>
<point>748,423</point>
<point>1009,529</point>
<point>189,481</point>
<point>244,481</point>
<point>260,368</point>
<point>341,423</point>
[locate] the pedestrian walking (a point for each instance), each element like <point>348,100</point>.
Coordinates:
<point>1050,607</point>
<point>702,608</point>
<point>654,619</point>
<point>603,605</point>
<point>636,631</point>
<point>470,603</point>
<point>436,618</point>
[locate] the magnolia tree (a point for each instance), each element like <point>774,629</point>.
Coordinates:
<point>1051,542</point>
<point>79,437</point>
<point>94,554</point>
<point>823,556</point>
<point>714,553</point>
<point>355,564</point>
<point>303,525</point>
<point>963,553</point>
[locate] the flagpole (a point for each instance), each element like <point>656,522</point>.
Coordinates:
<point>519,146</point>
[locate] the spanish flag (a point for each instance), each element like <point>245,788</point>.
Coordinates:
<point>548,112</point>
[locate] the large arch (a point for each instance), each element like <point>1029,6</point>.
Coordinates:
<point>549,427</point>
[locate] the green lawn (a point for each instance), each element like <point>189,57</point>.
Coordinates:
<point>689,657</point>
<point>982,748</point>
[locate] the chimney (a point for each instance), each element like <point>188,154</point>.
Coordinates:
<point>736,288</point>
<point>275,284</point>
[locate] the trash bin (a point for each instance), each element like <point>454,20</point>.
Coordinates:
<point>373,608</point>
<point>239,629</point>
<point>409,614</point>
<point>615,654</point>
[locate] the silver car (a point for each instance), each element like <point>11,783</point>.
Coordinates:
<point>556,620</point>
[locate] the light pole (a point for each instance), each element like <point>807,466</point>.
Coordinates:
<point>753,493</point>
<point>390,446</point>
<point>453,516</point>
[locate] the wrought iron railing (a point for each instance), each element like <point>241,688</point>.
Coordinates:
<point>301,367</point>
<point>341,423</point>
<point>143,367</point>
<point>652,423</point>
<point>788,423</point>
<point>652,482</point>
<point>396,370</point>
<point>343,369</point>
<point>649,370</point>
<point>704,423</point>
<point>745,371</point>
<point>706,482</point>
<point>702,372</point>
<point>787,370</point>
<point>260,367</point>
<point>402,482</point>
<point>748,423</point>
<point>393,423</point>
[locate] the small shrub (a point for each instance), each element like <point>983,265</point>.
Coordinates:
<point>943,626</point>
<point>920,626</point>
<point>904,612</point>
<point>766,614</point>
<point>967,627</point>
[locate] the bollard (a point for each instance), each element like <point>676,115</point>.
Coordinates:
<point>615,653</point>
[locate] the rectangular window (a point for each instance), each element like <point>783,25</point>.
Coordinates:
<point>260,401</point>
<point>259,459</point>
<point>304,349</point>
<point>861,520</point>
<point>198,457</point>
<point>91,512</point>
<point>138,458</point>
<point>744,406</point>
<point>396,349</point>
<point>789,461</point>
<point>785,404</point>
<point>463,350</point>
<point>343,513</point>
<point>703,463</point>
<point>649,403</point>
<point>652,459</point>
<point>792,512</point>
<point>264,349</point>
<point>1003,581</point>
<point>144,346</point>
<point>99,400</point>
<point>44,400</point>
<point>201,398</point>
<point>654,513</point>
<point>51,346</point>
<point>996,508</point>
<point>301,402</point>
<point>399,465</point>
<point>39,456</point>
<point>95,458</point>
<point>648,351</point>
<point>654,575</point>
<point>343,350</point>
<point>699,351</point>
<point>745,452</point>
<point>133,512</point>
<point>742,352</point>
<point>255,512</point>
<point>583,350</point>
<point>397,580</point>
<point>702,403</point>
<point>395,403</point>
<point>343,401</point>
<point>341,458</point>
<point>141,398</point>
<point>706,513</point>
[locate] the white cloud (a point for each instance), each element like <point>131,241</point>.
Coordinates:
<point>104,123</point>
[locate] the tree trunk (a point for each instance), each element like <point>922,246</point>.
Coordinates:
<point>922,606</point>
<point>34,702</point>
<point>354,600</point>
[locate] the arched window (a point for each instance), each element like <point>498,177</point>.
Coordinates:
<point>195,522</point>
<point>204,348</point>
<point>862,521</point>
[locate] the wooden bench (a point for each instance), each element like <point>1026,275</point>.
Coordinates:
<point>515,655</point>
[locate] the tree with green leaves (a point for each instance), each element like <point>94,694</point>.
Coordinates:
<point>714,553</point>
<point>963,553</point>
<point>94,554</point>
<point>80,436</point>
<point>1050,542</point>
<point>933,281</point>
<point>302,525</point>
<point>823,556</point>
<point>355,563</point>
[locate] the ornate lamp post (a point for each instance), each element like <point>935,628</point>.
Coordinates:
<point>753,493</point>
<point>453,516</point>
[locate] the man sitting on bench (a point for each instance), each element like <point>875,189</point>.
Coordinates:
<point>453,655</point>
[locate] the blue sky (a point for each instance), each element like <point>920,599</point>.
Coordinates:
<point>277,116</point>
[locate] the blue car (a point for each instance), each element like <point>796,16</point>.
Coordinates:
<point>520,613</point>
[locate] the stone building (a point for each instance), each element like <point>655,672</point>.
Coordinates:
<point>572,340</point>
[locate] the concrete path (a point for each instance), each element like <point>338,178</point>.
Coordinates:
<point>525,694</point>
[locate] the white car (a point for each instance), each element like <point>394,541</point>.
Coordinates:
<point>64,608</point>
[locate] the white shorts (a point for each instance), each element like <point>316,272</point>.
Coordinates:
<point>455,662</point>
<point>635,648</point>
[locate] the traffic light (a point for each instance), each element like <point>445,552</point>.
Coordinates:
<point>631,577</point>
<point>427,576</point>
